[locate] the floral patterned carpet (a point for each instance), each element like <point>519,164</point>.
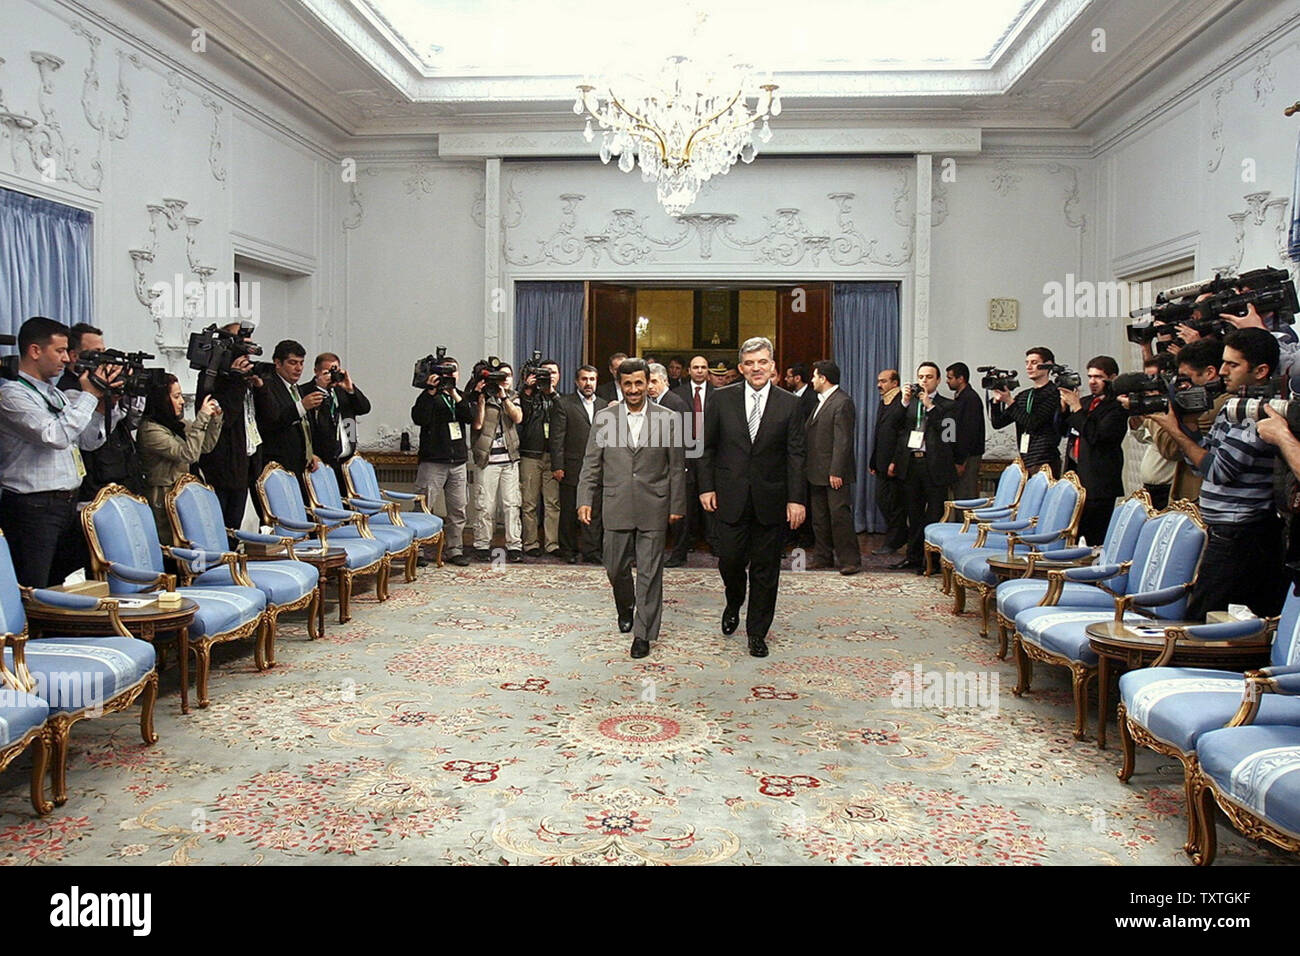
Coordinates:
<point>492,715</point>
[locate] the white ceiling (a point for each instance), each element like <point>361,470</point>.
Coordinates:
<point>409,68</point>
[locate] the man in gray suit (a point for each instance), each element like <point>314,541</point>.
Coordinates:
<point>831,468</point>
<point>635,455</point>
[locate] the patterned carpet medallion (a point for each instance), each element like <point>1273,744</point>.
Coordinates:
<point>492,715</point>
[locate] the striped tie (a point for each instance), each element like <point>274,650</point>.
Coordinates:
<point>754,415</point>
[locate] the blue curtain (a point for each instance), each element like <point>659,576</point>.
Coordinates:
<point>865,334</point>
<point>45,252</point>
<point>548,318</point>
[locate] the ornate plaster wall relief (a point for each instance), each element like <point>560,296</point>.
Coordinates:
<point>215,145</point>
<point>173,302</point>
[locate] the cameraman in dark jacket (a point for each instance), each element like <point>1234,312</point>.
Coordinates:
<point>334,421</point>
<point>445,416</point>
<point>233,466</point>
<point>536,475</point>
<point>1094,430</point>
<point>1034,413</point>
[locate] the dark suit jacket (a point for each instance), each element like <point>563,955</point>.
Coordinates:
<point>1101,456</point>
<point>676,403</point>
<point>884,444</point>
<point>969,414</point>
<point>807,402</point>
<point>325,422</point>
<point>938,460</point>
<point>830,440</point>
<point>569,431</point>
<point>607,392</point>
<point>278,421</point>
<point>769,472</point>
<point>229,465</point>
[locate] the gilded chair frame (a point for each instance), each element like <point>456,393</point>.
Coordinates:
<point>949,513</point>
<point>406,558</point>
<point>200,647</point>
<point>1082,674</point>
<point>378,567</point>
<point>394,510</point>
<point>265,651</point>
<point>40,738</point>
<point>946,566</point>
<point>988,592</point>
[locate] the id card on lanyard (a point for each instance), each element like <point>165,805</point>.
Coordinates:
<point>57,410</point>
<point>916,439</point>
<point>1024,439</point>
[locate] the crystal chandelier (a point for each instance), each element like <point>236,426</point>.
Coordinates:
<point>684,124</point>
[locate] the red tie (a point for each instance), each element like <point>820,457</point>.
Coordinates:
<point>1074,449</point>
<point>699,409</point>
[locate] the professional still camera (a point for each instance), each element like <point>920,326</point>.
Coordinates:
<point>995,379</point>
<point>534,366</point>
<point>434,365</point>
<point>492,371</point>
<point>135,379</point>
<point>214,350</point>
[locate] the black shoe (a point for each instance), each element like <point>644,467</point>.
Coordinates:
<point>900,565</point>
<point>757,647</point>
<point>625,621</point>
<point>534,552</point>
<point>481,554</point>
<point>920,570</point>
<point>515,557</point>
<point>459,560</point>
<point>594,559</point>
<point>730,620</point>
<point>571,558</point>
<point>640,647</point>
<point>674,562</point>
<point>850,569</point>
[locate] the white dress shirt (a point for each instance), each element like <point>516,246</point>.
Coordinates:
<point>821,399</point>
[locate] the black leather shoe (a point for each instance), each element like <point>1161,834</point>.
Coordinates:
<point>850,569</point>
<point>757,647</point>
<point>900,565</point>
<point>625,621</point>
<point>459,560</point>
<point>515,556</point>
<point>640,647</point>
<point>571,558</point>
<point>674,562</point>
<point>534,552</point>
<point>730,620</point>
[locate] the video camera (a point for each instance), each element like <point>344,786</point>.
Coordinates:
<point>1187,398</point>
<point>135,380</point>
<point>1064,377</point>
<point>434,365</point>
<point>995,379</point>
<point>9,363</point>
<point>1267,289</point>
<point>491,371</point>
<point>534,367</point>
<point>214,350</point>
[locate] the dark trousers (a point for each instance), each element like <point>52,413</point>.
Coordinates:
<point>889,497</point>
<point>968,483</point>
<point>697,523</point>
<point>1242,565</point>
<point>749,550</point>
<point>925,501</point>
<point>576,537</point>
<point>1095,519</point>
<point>233,501</point>
<point>832,522</point>
<point>44,535</point>
<point>1159,496</point>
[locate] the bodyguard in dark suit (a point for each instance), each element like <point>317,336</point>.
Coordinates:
<point>884,445</point>
<point>1094,429</point>
<point>968,412</point>
<point>924,460</point>
<point>282,411</point>
<point>662,395</point>
<point>609,391</point>
<point>571,418</point>
<point>751,478</point>
<point>697,391</point>
<point>831,468</point>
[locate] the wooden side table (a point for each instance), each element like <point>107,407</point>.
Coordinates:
<point>324,562</point>
<point>1131,645</point>
<point>146,623</point>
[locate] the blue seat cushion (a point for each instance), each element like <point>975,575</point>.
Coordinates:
<point>1063,630</point>
<point>73,673</point>
<point>937,533</point>
<point>223,609</point>
<point>973,565</point>
<point>19,713</point>
<point>956,544</point>
<point>424,526</point>
<point>1179,704</point>
<point>361,551</point>
<point>1017,595</point>
<point>283,582</point>
<point>1258,768</point>
<point>393,537</point>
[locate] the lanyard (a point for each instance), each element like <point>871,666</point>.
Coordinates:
<point>920,411</point>
<point>54,409</point>
<point>1029,402</point>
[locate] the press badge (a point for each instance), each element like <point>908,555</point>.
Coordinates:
<point>915,439</point>
<point>546,429</point>
<point>453,428</point>
<point>81,465</point>
<point>1024,443</point>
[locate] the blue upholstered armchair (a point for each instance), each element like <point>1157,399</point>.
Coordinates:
<point>57,681</point>
<point>1001,506</point>
<point>196,519</point>
<point>124,550</point>
<point>1085,585</point>
<point>282,503</point>
<point>384,505</point>
<point>1054,531</point>
<point>327,502</point>
<point>1025,513</point>
<point>1165,561</point>
<point>1169,709</point>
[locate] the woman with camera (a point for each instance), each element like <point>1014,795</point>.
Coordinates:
<point>169,445</point>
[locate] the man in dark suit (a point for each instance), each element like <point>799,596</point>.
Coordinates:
<point>571,419</point>
<point>1094,446</point>
<point>923,459</point>
<point>696,392</point>
<point>282,411</point>
<point>634,460</point>
<point>831,467</point>
<point>334,420</point>
<point>751,478</point>
<point>609,391</point>
<point>884,444</point>
<point>968,412</point>
<point>661,394</point>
